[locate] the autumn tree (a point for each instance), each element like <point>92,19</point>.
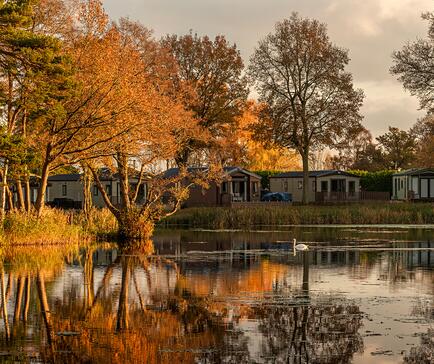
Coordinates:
<point>300,74</point>
<point>243,150</point>
<point>136,119</point>
<point>79,117</point>
<point>212,69</point>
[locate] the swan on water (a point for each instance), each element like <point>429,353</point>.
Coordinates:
<point>298,247</point>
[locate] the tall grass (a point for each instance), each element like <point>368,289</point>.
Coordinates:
<point>247,217</point>
<point>57,227</point>
<point>54,226</point>
<point>99,223</point>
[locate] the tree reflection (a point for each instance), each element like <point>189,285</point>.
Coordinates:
<point>310,334</point>
<point>129,319</point>
<point>302,332</point>
<point>140,308</point>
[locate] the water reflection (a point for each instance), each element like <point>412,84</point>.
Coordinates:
<point>238,304</point>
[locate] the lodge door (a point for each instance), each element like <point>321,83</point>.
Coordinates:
<point>338,185</point>
<point>424,188</point>
<point>431,188</point>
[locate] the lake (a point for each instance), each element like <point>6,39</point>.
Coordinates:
<point>359,295</point>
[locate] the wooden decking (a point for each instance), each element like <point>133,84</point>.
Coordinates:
<point>331,197</point>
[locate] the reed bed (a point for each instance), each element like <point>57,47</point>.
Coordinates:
<point>57,227</point>
<point>53,227</point>
<point>248,217</point>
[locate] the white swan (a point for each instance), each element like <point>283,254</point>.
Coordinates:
<point>298,247</point>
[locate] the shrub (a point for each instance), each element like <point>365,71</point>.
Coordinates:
<point>380,181</point>
<point>265,178</point>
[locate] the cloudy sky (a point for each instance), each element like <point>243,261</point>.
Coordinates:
<point>370,29</point>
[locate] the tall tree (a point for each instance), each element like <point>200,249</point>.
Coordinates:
<point>423,132</point>
<point>414,67</point>
<point>398,147</point>
<point>300,74</point>
<point>143,118</point>
<point>359,152</point>
<point>212,69</point>
<point>26,58</point>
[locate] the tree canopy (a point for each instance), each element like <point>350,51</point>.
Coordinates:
<point>300,75</point>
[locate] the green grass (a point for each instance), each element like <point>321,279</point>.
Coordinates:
<point>248,217</point>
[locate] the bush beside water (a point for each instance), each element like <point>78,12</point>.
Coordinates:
<point>248,217</point>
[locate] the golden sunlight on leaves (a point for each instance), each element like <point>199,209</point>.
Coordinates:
<point>241,146</point>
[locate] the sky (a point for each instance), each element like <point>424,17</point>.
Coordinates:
<point>370,29</point>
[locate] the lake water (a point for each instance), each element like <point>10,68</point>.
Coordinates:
<point>359,295</point>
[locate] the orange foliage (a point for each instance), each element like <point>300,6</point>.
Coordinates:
<point>241,148</point>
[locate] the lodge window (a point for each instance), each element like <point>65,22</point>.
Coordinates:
<point>95,190</point>
<point>300,185</point>
<point>255,187</point>
<point>313,186</point>
<point>351,187</point>
<point>285,186</point>
<point>324,186</point>
<point>402,184</point>
<point>224,187</point>
<point>64,190</point>
<point>108,189</point>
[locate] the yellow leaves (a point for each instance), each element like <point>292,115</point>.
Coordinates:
<point>92,17</point>
<point>244,148</point>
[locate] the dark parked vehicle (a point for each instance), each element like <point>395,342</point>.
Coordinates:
<point>65,203</point>
<point>277,196</point>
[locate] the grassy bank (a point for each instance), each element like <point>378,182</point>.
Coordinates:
<point>56,227</point>
<point>242,218</point>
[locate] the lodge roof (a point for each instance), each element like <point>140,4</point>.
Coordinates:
<point>104,175</point>
<point>173,172</point>
<point>314,174</point>
<point>415,172</point>
<point>71,177</point>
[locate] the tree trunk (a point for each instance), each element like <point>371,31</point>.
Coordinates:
<point>40,200</point>
<point>4,187</point>
<point>20,196</point>
<point>10,196</point>
<point>87,191</point>
<point>27,194</point>
<point>124,181</point>
<point>305,159</point>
